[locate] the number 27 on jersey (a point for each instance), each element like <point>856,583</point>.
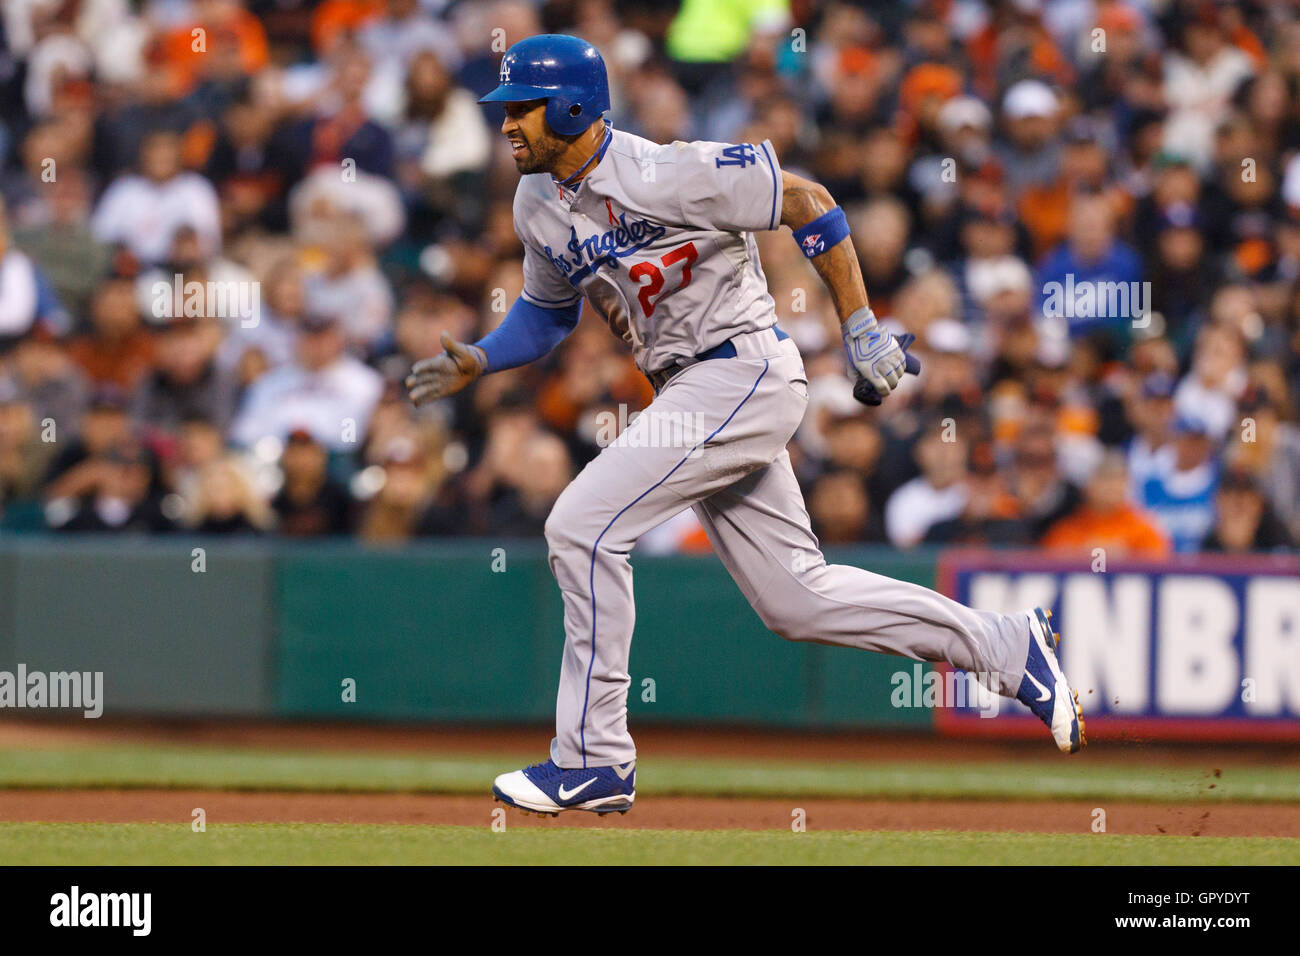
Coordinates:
<point>685,254</point>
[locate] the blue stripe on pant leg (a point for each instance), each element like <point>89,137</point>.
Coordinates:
<point>591,581</point>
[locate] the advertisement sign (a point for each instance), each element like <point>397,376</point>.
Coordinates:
<point>1204,647</point>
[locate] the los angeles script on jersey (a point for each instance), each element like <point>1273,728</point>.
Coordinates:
<point>608,246</point>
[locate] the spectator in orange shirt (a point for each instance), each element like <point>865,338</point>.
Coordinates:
<point>1107,519</point>
<point>117,351</point>
<point>334,19</point>
<point>223,42</point>
<point>1085,167</point>
<point>1013,44</point>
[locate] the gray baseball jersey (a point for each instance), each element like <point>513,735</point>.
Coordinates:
<point>659,240</point>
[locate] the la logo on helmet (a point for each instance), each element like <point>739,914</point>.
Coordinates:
<point>505,71</point>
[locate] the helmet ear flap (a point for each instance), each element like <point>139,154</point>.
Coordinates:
<point>565,116</point>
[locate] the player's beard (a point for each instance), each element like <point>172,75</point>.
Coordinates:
<point>543,153</point>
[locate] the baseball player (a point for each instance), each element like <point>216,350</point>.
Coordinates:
<point>659,240</point>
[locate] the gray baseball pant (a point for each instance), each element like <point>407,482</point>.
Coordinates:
<point>714,439</point>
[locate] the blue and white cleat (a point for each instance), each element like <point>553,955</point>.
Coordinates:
<point>1044,689</point>
<point>547,788</point>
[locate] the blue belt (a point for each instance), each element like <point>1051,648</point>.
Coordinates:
<point>726,349</point>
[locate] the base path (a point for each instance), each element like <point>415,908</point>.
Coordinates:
<point>673,813</point>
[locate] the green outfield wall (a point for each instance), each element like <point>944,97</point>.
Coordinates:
<point>463,631</point>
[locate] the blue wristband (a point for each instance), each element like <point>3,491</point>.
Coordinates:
<point>823,232</point>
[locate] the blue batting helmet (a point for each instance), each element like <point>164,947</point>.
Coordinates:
<point>566,72</point>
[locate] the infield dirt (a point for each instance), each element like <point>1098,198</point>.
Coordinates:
<point>660,812</point>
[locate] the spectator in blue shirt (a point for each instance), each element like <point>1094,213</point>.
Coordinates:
<point>1092,280</point>
<point>1182,497</point>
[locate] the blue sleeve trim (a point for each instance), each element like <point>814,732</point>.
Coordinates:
<point>528,332</point>
<point>771,168</point>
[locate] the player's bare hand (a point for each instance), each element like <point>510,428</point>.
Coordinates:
<point>445,374</point>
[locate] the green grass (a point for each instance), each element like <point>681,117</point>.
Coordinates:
<point>246,769</point>
<point>235,769</point>
<point>92,844</point>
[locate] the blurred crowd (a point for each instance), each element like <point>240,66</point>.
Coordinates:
<point>159,159</point>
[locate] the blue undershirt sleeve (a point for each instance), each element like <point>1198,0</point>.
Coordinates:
<point>527,333</point>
